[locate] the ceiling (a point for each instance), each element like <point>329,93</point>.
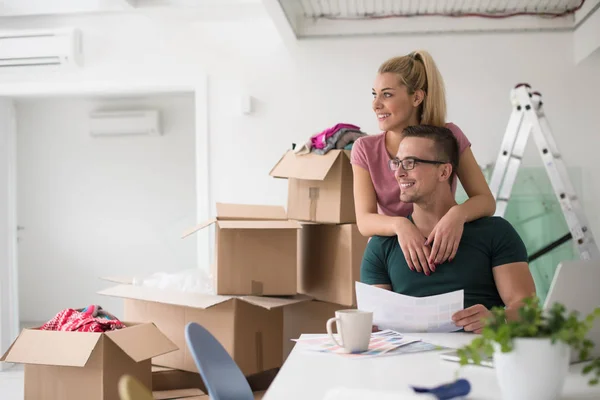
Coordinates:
<point>305,19</point>
<point>369,9</point>
<point>22,8</point>
<point>325,18</point>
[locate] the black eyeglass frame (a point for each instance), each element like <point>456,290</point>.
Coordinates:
<point>411,165</point>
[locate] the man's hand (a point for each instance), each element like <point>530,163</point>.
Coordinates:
<point>472,318</point>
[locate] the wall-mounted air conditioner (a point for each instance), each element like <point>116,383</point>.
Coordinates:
<point>59,47</point>
<point>123,123</point>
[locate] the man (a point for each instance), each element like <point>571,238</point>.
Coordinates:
<point>491,260</point>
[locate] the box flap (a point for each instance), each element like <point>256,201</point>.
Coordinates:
<point>177,394</point>
<point>186,299</point>
<point>275,302</point>
<point>158,368</point>
<point>198,227</point>
<point>142,342</point>
<point>118,279</point>
<point>310,166</point>
<point>226,211</point>
<point>196,300</point>
<point>259,225</point>
<point>71,349</point>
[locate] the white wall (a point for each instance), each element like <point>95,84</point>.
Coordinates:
<point>321,83</point>
<point>93,207</point>
<point>330,82</point>
<point>9,318</point>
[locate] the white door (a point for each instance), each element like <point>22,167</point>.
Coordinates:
<point>9,308</point>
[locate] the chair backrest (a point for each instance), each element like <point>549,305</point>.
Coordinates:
<point>132,389</point>
<point>222,377</point>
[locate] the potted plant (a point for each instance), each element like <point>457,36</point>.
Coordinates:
<point>532,355</point>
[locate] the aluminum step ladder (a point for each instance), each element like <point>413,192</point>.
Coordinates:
<point>528,117</point>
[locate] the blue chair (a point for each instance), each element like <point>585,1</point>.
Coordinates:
<point>221,375</point>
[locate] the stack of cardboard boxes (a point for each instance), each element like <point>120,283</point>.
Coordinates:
<point>276,275</point>
<point>254,274</point>
<point>330,247</point>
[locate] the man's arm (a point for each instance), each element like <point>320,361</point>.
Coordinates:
<point>373,268</point>
<point>514,283</point>
<point>386,287</point>
<point>511,275</point>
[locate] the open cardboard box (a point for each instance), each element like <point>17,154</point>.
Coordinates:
<point>164,379</point>
<point>190,394</point>
<point>179,394</point>
<point>255,250</point>
<point>170,384</point>
<point>249,327</point>
<point>320,187</point>
<point>74,365</point>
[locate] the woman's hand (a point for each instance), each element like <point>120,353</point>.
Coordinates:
<point>445,237</point>
<point>412,244</point>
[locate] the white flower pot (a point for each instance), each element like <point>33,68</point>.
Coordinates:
<point>534,369</point>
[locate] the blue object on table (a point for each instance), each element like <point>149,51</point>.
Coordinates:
<point>460,388</point>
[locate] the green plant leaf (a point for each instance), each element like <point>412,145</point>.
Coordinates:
<point>534,322</point>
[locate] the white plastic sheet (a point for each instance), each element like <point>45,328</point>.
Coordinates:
<point>193,280</point>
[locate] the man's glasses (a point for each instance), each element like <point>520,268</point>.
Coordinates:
<point>409,163</point>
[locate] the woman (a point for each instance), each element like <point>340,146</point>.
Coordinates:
<point>409,90</point>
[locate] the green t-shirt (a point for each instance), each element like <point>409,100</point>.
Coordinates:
<point>486,243</point>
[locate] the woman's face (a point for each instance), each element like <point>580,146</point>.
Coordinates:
<point>394,107</point>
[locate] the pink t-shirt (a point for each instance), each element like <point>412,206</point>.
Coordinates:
<point>370,153</point>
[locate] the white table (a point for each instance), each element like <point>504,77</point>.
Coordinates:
<point>309,375</point>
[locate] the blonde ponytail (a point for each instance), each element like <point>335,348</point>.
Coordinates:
<point>417,70</point>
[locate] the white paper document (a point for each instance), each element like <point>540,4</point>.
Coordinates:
<point>407,313</point>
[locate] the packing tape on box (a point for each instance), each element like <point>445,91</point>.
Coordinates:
<point>257,288</point>
<point>259,351</point>
<point>313,195</point>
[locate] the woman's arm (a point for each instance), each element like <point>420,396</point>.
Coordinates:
<point>481,203</point>
<point>369,222</point>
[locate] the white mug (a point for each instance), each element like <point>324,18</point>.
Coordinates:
<point>354,328</point>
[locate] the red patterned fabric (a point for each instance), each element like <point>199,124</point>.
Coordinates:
<point>74,320</point>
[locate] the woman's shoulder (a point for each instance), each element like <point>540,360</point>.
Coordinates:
<point>370,140</point>
<point>454,128</point>
<point>463,141</point>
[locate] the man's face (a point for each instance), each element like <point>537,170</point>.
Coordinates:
<point>420,182</point>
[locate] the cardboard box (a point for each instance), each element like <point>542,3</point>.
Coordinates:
<point>169,383</point>
<point>249,327</point>
<point>76,365</point>
<point>190,394</point>
<point>320,186</point>
<point>164,379</point>
<point>329,262</point>
<point>307,317</point>
<point>179,394</point>
<point>255,250</point>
